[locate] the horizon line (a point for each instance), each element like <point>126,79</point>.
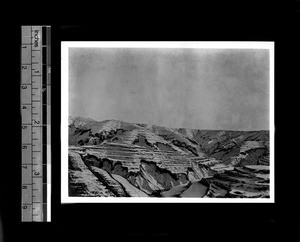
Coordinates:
<point>245,130</point>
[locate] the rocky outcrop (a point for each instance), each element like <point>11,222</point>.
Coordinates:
<point>106,178</point>
<point>240,182</point>
<point>82,182</point>
<point>158,178</point>
<point>227,146</point>
<point>150,178</point>
<point>131,190</point>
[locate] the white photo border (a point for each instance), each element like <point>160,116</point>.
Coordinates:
<point>65,45</point>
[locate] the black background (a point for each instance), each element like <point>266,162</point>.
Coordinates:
<point>252,21</point>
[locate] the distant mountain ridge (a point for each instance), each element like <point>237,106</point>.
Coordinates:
<point>216,143</point>
<point>78,119</point>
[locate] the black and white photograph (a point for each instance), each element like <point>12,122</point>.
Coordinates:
<point>167,122</point>
<point>151,124</point>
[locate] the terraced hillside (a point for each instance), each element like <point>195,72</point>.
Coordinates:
<point>115,158</point>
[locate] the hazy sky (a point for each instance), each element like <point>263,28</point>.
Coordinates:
<point>190,88</point>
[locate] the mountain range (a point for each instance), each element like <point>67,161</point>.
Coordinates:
<point>113,158</point>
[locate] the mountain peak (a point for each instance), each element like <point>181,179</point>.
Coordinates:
<point>79,121</point>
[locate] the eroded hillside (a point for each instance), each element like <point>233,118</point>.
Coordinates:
<point>115,158</point>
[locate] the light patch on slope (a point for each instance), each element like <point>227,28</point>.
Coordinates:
<point>83,175</point>
<point>195,190</point>
<point>175,191</point>
<point>153,184</point>
<point>248,145</point>
<point>210,162</point>
<point>258,167</point>
<point>108,179</point>
<point>130,189</point>
<point>111,125</point>
<point>247,193</point>
<point>190,133</point>
<point>130,136</point>
<point>221,167</point>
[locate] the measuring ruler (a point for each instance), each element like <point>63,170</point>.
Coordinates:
<point>35,110</point>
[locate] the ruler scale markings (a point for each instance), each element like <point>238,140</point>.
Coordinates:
<point>35,83</point>
<point>31,134</point>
